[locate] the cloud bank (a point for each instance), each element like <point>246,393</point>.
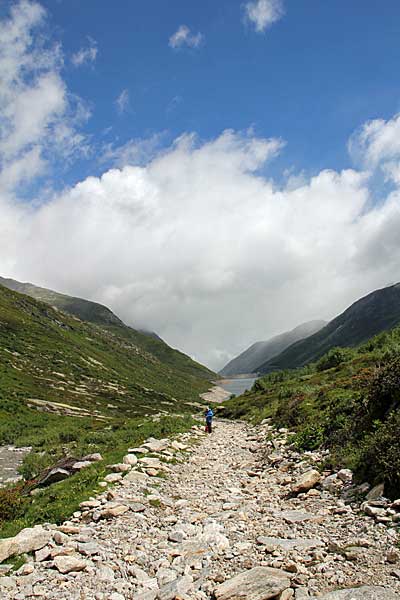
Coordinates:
<point>193,240</point>
<point>201,248</point>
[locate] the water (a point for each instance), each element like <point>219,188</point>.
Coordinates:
<point>237,386</point>
<point>10,460</point>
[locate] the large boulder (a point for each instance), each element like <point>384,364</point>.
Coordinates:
<point>27,540</point>
<point>155,445</point>
<point>365,592</point>
<point>130,459</point>
<point>260,583</point>
<point>54,475</point>
<point>67,564</point>
<point>308,480</point>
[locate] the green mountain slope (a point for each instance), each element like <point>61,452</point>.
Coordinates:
<point>349,402</point>
<point>71,388</point>
<point>260,352</point>
<point>48,359</point>
<point>376,312</point>
<point>83,309</point>
<point>98,314</point>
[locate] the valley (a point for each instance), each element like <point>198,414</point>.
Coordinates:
<point>113,421</point>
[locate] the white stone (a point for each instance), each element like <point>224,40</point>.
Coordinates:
<point>25,541</point>
<point>130,459</point>
<point>67,564</point>
<point>308,480</point>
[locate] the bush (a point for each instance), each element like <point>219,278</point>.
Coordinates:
<point>309,438</point>
<point>380,456</point>
<point>384,391</point>
<point>12,503</point>
<point>333,358</point>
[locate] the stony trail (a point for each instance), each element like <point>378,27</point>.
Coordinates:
<point>220,523</point>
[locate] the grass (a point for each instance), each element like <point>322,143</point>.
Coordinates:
<point>72,367</point>
<point>57,502</point>
<point>69,387</point>
<point>349,402</point>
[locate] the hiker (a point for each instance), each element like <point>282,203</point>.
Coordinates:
<point>209,416</point>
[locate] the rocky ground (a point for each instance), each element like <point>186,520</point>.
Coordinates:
<point>235,515</point>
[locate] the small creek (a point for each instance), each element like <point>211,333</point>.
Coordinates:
<point>10,460</point>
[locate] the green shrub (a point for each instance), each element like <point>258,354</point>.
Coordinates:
<point>384,392</point>
<point>310,437</point>
<point>333,358</point>
<point>380,455</point>
<point>12,503</point>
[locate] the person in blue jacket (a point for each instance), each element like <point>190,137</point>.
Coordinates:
<point>209,417</point>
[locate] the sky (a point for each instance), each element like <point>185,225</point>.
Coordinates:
<point>217,172</point>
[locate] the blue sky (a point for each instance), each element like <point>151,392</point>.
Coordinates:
<point>218,172</point>
<point>312,78</point>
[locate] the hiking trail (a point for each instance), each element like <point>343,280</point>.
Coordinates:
<point>194,512</point>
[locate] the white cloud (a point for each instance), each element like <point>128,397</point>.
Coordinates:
<point>85,55</point>
<point>377,143</point>
<point>262,14</point>
<point>37,114</point>
<point>122,102</point>
<point>184,37</point>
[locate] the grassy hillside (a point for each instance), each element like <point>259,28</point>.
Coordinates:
<point>379,311</point>
<point>68,387</point>
<point>260,352</point>
<point>97,314</point>
<point>348,401</point>
<point>52,362</point>
<point>84,309</point>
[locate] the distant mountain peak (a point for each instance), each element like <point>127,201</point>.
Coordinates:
<point>376,312</point>
<point>259,352</point>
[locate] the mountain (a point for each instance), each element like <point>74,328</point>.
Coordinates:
<point>57,363</point>
<point>349,405</point>
<point>376,312</point>
<point>83,309</point>
<point>100,315</point>
<point>260,352</point>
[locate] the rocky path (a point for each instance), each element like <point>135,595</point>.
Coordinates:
<point>215,517</point>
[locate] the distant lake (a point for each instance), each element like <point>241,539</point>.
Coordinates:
<point>237,386</point>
